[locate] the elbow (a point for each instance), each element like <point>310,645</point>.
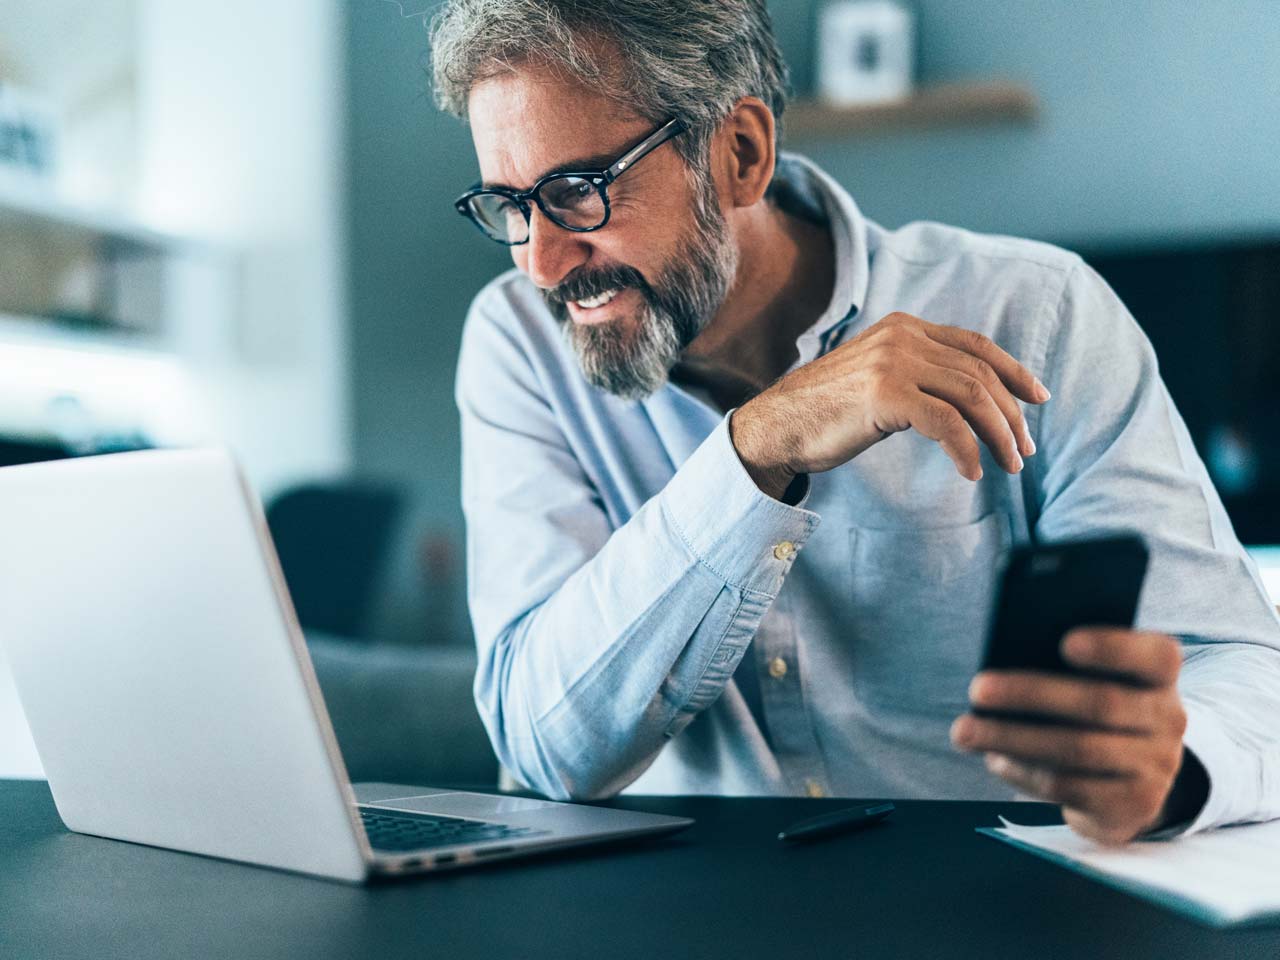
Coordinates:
<point>565,752</point>
<point>534,758</point>
<point>544,759</point>
<point>585,785</point>
<point>514,734</point>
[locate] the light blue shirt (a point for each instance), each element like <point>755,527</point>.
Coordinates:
<point>646,619</point>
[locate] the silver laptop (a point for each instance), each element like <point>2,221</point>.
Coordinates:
<point>171,699</point>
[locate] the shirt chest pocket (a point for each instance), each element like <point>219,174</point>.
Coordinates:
<point>922,603</point>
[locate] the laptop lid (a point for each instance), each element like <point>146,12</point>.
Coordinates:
<point>160,666</point>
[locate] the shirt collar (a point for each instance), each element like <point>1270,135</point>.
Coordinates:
<point>848,226</point>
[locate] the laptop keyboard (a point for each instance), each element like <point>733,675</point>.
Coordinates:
<point>393,831</point>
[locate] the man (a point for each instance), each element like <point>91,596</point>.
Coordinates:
<point>740,465</point>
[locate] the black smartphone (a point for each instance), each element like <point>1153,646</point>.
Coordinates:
<point>1048,589</point>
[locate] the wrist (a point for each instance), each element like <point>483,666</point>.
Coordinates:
<point>1188,794</point>
<point>757,451</point>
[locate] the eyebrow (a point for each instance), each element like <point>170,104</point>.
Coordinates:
<point>581,165</point>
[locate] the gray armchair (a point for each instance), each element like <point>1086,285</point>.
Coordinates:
<point>404,714</point>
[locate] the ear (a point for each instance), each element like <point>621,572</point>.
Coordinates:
<point>747,149</point>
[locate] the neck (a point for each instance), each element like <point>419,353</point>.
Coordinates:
<point>786,274</point>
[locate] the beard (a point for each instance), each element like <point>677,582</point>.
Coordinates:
<point>633,359</point>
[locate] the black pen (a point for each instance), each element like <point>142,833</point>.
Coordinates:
<point>842,821</point>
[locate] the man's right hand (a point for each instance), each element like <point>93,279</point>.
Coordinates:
<point>903,372</point>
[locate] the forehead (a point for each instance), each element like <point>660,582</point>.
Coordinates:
<point>529,121</point>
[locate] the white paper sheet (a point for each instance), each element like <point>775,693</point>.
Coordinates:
<point>1222,877</point>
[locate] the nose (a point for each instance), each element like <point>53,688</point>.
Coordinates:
<point>551,253</point>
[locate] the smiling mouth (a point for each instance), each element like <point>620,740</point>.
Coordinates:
<point>591,303</point>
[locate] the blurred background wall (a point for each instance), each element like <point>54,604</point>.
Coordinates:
<point>1158,120</point>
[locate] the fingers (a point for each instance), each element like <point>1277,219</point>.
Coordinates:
<point>1113,763</point>
<point>981,371</point>
<point>941,422</point>
<point>1110,810</point>
<point>1083,702</point>
<point>1054,786</point>
<point>954,386</point>
<point>968,371</point>
<point>1020,381</point>
<point>1062,748</point>
<point>1151,659</point>
<point>974,399</point>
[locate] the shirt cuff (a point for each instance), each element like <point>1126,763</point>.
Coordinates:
<point>1233,771</point>
<point>742,534</point>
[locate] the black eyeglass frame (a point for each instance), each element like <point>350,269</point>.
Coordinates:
<point>600,179</point>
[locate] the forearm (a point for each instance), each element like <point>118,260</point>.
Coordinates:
<point>1187,797</point>
<point>582,690</point>
<point>1231,692</point>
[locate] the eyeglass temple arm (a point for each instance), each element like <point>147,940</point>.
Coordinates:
<point>650,143</point>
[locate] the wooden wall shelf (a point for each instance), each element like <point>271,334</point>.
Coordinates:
<point>948,105</point>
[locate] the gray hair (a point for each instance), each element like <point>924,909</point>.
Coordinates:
<point>689,59</point>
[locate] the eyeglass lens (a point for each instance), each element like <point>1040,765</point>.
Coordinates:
<point>572,202</point>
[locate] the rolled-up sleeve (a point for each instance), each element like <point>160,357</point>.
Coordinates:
<point>596,645</point>
<point>1115,454</point>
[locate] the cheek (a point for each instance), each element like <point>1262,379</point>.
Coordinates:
<point>644,253</point>
<point>627,246</point>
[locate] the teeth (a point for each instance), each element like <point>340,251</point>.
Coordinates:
<point>599,301</point>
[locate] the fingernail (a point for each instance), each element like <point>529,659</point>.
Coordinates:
<point>962,731</point>
<point>1075,645</point>
<point>975,689</point>
<point>978,688</point>
<point>1031,446</point>
<point>1042,392</point>
<point>997,763</point>
<point>1018,462</point>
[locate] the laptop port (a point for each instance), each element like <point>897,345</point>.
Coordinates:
<point>493,851</point>
<point>445,858</point>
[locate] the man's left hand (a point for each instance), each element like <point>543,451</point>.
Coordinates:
<point>1113,762</point>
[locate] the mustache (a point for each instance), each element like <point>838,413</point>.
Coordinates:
<point>583,284</point>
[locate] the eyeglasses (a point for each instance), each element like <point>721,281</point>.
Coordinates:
<point>576,201</point>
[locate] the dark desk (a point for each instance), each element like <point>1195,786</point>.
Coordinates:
<point>922,885</point>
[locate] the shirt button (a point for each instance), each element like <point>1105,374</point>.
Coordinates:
<point>785,550</point>
<point>777,668</point>
<point>814,789</point>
